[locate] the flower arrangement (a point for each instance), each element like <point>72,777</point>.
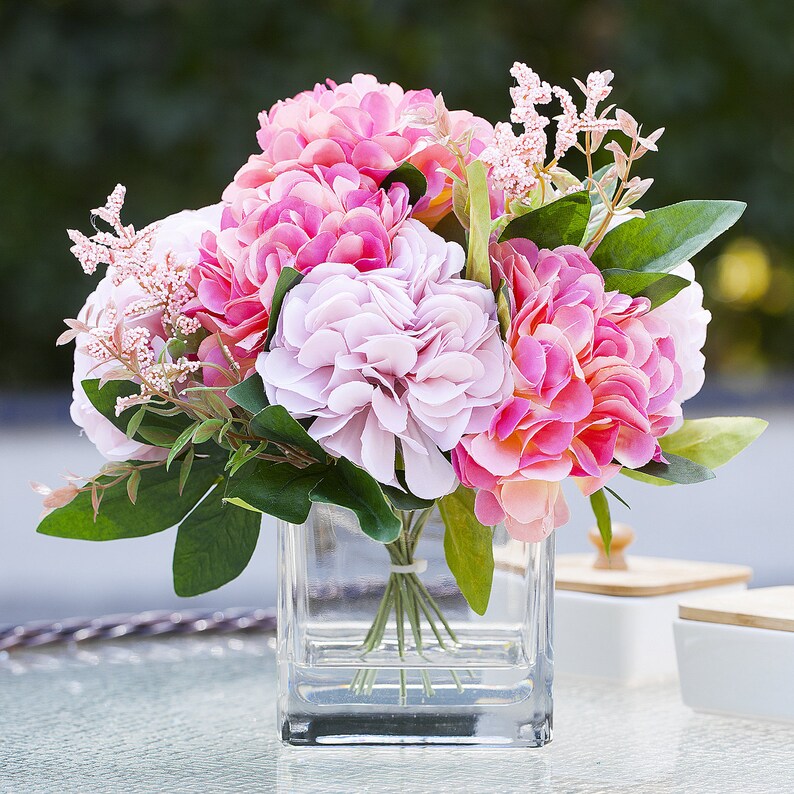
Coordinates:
<point>395,308</point>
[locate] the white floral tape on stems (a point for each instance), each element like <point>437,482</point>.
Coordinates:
<point>417,566</point>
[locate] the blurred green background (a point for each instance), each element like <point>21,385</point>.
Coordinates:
<point>162,95</point>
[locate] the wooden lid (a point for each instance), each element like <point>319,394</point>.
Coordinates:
<point>764,608</point>
<point>645,576</point>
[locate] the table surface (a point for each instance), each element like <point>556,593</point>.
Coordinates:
<point>197,714</point>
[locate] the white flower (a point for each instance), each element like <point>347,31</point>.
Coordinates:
<point>687,320</point>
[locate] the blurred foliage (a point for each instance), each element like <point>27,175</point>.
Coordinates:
<point>162,95</point>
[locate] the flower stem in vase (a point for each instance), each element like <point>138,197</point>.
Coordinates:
<point>410,600</point>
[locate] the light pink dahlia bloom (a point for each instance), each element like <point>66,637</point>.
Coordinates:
<point>373,126</point>
<point>386,363</point>
<point>595,379</point>
<point>181,234</point>
<point>305,218</point>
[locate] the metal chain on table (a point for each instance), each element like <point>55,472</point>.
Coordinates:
<point>145,624</point>
<point>194,621</point>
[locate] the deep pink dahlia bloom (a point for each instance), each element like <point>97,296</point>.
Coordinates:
<point>595,379</point>
<point>385,362</point>
<point>305,218</point>
<point>374,127</point>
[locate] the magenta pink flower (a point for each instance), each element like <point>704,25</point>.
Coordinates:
<point>385,362</point>
<point>372,126</point>
<point>304,219</point>
<point>595,378</point>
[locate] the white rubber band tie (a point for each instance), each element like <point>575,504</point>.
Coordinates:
<point>417,566</point>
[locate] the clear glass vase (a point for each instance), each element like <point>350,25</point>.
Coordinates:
<point>378,646</point>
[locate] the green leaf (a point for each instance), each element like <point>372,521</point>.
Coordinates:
<point>135,422</point>
<point>562,222</point>
<point>158,506</point>
<point>278,489</point>
<point>657,287</point>
<point>156,425</point>
<point>403,500</point>
<point>185,468</point>
<point>478,263</point>
<point>713,442</point>
<point>678,470</point>
<point>617,496</point>
<point>275,424</point>
<point>180,444</point>
<point>250,394</point>
<point>468,546</point>
<point>709,442</point>
<point>213,545</point>
<point>666,237</point>
<point>600,505</point>
<point>503,308</point>
<point>158,436</point>
<point>346,485</point>
<point>411,177</point>
<point>287,279</point>
<point>207,429</point>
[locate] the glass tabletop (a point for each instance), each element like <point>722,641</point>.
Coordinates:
<point>197,714</point>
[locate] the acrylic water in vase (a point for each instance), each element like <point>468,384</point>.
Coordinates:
<point>378,646</point>
<point>397,332</point>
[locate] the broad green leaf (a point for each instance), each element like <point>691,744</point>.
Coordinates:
<point>666,237</point>
<point>411,177</point>
<point>468,546</point>
<point>478,263</point>
<point>657,287</point>
<point>346,485</point>
<point>213,545</point>
<point>104,400</point>
<point>287,279</point>
<point>158,506</point>
<point>403,500</point>
<point>713,442</point>
<point>600,505</point>
<point>709,442</point>
<point>562,222</point>
<point>275,424</point>
<point>678,470</point>
<point>277,489</point>
<point>250,394</point>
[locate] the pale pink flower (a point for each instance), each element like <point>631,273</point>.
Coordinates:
<point>111,442</point>
<point>595,378</point>
<point>386,362</point>
<point>372,126</point>
<point>687,320</point>
<point>113,312</point>
<point>304,219</point>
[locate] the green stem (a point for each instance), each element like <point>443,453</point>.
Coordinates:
<point>408,597</point>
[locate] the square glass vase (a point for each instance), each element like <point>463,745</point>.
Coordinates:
<point>378,647</point>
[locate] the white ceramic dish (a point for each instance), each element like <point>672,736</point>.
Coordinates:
<point>741,670</point>
<point>618,638</point>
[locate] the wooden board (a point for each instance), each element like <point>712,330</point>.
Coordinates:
<point>646,576</point>
<point>764,608</point>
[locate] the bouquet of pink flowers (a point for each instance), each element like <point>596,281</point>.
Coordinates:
<point>395,307</point>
